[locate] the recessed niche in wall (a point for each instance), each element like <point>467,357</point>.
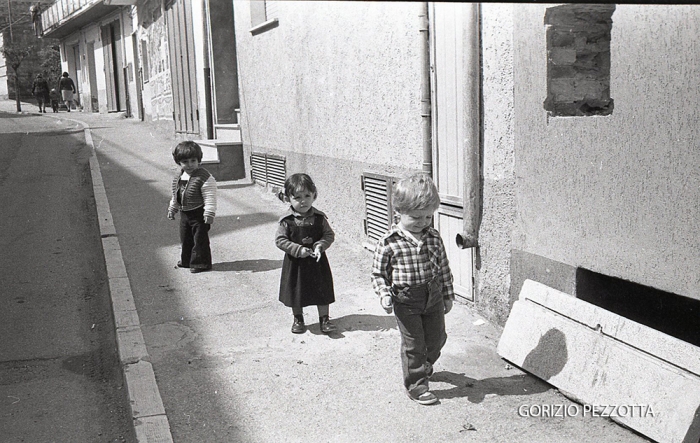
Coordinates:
<point>578,59</point>
<point>666,312</point>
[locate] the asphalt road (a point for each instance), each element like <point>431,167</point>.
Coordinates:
<point>59,374</point>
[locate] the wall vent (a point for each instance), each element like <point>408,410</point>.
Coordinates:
<point>379,213</point>
<point>268,169</point>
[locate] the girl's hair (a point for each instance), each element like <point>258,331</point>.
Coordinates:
<point>185,150</point>
<point>297,183</point>
<point>415,193</point>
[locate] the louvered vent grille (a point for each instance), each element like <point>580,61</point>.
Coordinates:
<point>378,210</point>
<point>268,169</point>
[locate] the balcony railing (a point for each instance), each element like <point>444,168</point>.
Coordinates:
<point>61,11</point>
<point>66,16</point>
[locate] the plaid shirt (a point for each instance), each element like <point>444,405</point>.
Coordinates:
<point>400,262</point>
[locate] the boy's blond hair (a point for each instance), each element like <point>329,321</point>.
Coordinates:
<point>415,193</point>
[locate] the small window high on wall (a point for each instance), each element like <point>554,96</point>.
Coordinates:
<point>578,59</point>
<point>263,15</point>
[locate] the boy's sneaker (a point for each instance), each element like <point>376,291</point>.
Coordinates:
<point>426,398</point>
<point>197,270</point>
<point>180,265</point>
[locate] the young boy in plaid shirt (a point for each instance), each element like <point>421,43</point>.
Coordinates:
<point>411,273</point>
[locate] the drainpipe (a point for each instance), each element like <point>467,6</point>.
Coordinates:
<point>208,105</point>
<point>426,124</point>
<point>469,237</point>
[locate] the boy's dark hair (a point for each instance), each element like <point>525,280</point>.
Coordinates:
<point>299,182</point>
<point>185,150</point>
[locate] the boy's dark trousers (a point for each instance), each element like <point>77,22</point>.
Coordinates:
<point>194,236</point>
<point>420,316</point>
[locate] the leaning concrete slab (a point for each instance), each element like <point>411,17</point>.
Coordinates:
<point>606,362</point>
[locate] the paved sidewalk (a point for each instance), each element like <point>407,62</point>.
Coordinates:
<point>229,370</point>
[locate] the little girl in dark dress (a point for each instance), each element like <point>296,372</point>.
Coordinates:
<point>304,235</point>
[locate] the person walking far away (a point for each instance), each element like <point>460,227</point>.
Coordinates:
<point>40,90</point>
<point>194,195</point>
<point>67,88</point>
<point>304,234</point>
<point>412,276</point>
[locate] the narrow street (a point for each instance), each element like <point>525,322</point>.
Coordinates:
<point>60,379</point>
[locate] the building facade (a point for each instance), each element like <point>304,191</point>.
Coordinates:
<point>562,137</point>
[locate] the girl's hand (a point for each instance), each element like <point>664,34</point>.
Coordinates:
<point>305,252</point>
<point>318,251</point>
<point>208,220</point>
<point>171,215</point>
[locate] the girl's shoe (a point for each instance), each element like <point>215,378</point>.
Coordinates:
<point>298,327</point>
<point>325,324</point>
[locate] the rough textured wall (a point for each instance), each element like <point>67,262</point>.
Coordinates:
<point>157,91</point>
<point>334,87</point>
<point>493,258</point>
<point>616,194</point>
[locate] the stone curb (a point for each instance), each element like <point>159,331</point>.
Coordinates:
<point>147,411</point>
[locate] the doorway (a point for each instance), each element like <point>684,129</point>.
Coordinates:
<point>447,24</point>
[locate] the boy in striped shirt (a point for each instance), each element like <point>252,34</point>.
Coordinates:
<point>411,275</point>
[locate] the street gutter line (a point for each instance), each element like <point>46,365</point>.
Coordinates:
<point>147,411</point>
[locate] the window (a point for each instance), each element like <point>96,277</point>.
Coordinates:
<point>578,59</point>
<point>144,61</point>
<point>262,16</point>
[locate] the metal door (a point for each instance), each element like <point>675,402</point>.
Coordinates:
<point>449,112</point>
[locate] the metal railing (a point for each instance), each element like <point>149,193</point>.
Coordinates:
<point>61,10</point>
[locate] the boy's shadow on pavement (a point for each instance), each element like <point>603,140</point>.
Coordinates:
<point>357,322</point>
<point>259,265</point>
<point>476,390</point>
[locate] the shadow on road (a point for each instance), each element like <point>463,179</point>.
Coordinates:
<point>260,265</point>
<point>476,390</point>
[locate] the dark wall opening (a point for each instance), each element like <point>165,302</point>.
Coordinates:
<point>666,312</point>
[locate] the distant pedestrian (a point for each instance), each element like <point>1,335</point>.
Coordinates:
<point>194,195</point>
<point>304,234</point>
<point>67,88</point>
<point>55,97</point>
<point>40,90</point>
<point>411,274</point>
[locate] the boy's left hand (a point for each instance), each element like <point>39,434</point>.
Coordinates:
<point>448,305</point>
<point>208,220</point>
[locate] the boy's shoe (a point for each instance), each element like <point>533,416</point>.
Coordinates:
<point>196,270</point>
<point>298,327</point>
<point>180,265</point>
<point>426,398</point>
<point>325,324</point>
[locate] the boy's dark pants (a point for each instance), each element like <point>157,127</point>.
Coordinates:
<point>194,236</point>
<point>420,316</point>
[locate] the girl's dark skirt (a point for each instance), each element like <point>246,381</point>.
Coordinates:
<point>305,282</point>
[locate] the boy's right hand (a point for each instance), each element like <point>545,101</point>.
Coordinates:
<point>387,304</point>
<point>171,215</point>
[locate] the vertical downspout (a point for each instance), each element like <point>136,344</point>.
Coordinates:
<point>426,123</point>
<point>207,74</point>
<point>469,237</point>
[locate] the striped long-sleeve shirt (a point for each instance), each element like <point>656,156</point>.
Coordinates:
<point>400,261</point>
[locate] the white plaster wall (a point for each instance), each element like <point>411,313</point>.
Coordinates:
<point>617,194</point>
<point>492,276</point>
<point>336,89</point>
